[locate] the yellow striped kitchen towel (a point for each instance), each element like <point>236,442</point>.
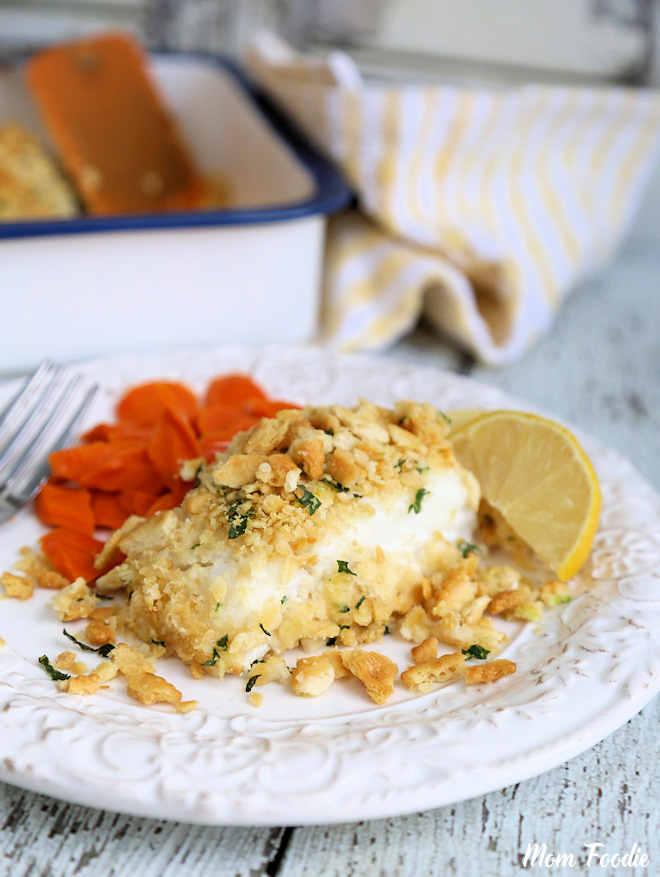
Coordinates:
<point>480,208</point>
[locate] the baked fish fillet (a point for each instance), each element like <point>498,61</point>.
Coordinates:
<point>317,524</point>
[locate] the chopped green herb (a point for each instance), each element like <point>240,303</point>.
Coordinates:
<point>308,500</point>
<point>196,545</point>
<point>217,606</point>
<point>416,506</point>
<point>54,674</point>
<point>337,486</point>
<point>478,652</point>
<point>125,581</point>
<point>510,538</point>
<point>267,632</point>
<point>387,630</point>
<point>343,567</point>
<point>402,420</point>
<point>79,599</point>
<point>344,627</point>
<point>197,479</point>
<point>251,682</point>
<point>344,608</point>
<point>445,417</point>
<point>284,599</point>
<point>399,465</point>
<point>130,596</point>
<point>238,520</point>
<point>422,469</point>
<point>466,548</point>
<point>329,431</point>
<point>331,641</point>
<point>360,601</point>
<point>158,642</point>
<point>103,596</point>
<point>103,651</point>
<point>221,644</point>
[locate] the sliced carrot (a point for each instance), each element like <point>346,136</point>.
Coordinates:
<point>72,553</point>
<point>213,417</point>
<point>268,407</point>
<point>68,507</point>
<point>145,403</point>
<point>136,502</point>
<point>239,424</point>
<point>107,509</point>
<point>169,500</point>
<point>99,433</point>
<point>233,390</point>
<point>73,464</point>
<point>122,431</point>
<point>127,467</point>
<point>173,441</point>
<point>212,447</point>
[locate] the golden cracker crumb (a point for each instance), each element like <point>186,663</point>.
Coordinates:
<point>489,672</point>
<point>65,660</point>
<point>425,651</point>
<point>149,689</point>
<point>17,586</point>
<point>377,672</point>
<point>50,579</point>
<point>420,677</point>
<point>99,634</point>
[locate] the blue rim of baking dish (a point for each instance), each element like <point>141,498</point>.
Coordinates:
<point>331,193</point>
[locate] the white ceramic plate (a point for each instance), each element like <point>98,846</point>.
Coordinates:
<point>340,757</point>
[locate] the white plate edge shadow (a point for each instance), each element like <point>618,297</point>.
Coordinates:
<point>601,652</point>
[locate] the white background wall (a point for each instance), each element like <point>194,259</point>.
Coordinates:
<point>593,38</point>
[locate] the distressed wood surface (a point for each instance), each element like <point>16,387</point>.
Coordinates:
<point>599,368</point>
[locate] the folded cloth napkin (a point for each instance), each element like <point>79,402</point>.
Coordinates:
<point>480,207</point>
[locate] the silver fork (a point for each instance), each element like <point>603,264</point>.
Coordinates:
<point>45,415</point>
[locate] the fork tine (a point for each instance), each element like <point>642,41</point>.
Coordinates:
<point>35,410</point>
<point>36,468</point>
<point>15,407</point>
<point>51,422</point>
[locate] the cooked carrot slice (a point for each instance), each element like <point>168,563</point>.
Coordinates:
<point>72,553</point>
<point>145,403</point>
<point>173,441</point>
<point>128,467</point>
<point>268,407</point>
<point>169,500</point>
<point>99,433</point>
<point>218,416</point>
<point>238,423</point>
<point>68,507</point>
<point>73,464</point>
<point>136,502</point>
<point>107,509</point>
<point>123,431</point>
<point>233,390</point>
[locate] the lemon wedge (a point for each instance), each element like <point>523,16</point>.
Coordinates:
<point>536,474</point>
<point>461,416</point>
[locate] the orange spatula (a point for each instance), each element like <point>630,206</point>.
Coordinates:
<point>116,139</point>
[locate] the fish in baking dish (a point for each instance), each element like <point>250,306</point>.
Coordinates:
<point>317,525</point>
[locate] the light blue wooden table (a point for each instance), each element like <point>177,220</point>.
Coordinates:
<point>600,369</point>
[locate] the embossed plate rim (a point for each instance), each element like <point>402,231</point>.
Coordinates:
<point>595,664</point>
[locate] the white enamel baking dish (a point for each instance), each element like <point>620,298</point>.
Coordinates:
<point>92,285</point>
